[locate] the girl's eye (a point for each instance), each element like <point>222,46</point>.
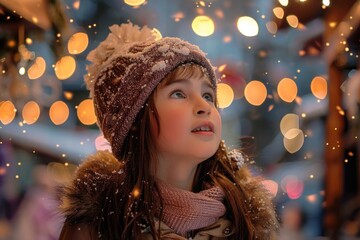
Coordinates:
<point>177,94</point>
<point>208,97</point>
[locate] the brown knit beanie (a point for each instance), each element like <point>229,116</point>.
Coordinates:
<point>126,68</point>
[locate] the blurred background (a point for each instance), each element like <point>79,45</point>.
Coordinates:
<point>289,78</point>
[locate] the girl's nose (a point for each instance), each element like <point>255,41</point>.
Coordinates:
<point>202,107</point>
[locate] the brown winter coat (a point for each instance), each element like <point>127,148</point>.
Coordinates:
<point>82,203</point>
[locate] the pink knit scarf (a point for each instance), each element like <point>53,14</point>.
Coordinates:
<point>184,211</point>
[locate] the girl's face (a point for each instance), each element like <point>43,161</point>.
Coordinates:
<point>190,124</point>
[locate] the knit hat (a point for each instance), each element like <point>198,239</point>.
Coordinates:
<point>126,68</point>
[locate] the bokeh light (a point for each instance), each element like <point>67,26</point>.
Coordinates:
<point>293,21</point>
<point>326,2</point>
<point>288,122</point>
<point>86,112</point>
<point>319,87</point>
<point>65,67</point>
<point>287,90</point>
<point>31,112</point>
<point>311,198</point>
<point>284,2</point>
<point>22,71</point>
<point>59,112</point>
<point>271,27</point>
<point>203,26</point>
<point>248,26</point>
<point>78,42</point>
<point>255,92</point>
<point>225,95</point>
<point>157,33</point>
<point>271,186</point>
<point>61,173</point>
<point>278,12</point>
<point>134,3</point>
<point>7,112</point>
<point>37,69</point>
<point>293,140</point>
<point>293,186</point>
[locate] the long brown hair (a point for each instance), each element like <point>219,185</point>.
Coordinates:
<point>248,206</point>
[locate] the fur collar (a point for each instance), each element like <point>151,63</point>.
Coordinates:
<point>80,200</point>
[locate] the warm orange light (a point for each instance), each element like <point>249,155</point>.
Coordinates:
<point>319,87</point>
<point>157,33</point>
<point>278,12</point>
<point>203,26</point>
<point>292,20</point>
<point>222,68</point>
<point>31,112</point>
<point>311,198</point>
<point>134,3</point>
<point>76,4</point>
<point>37,69</point>
<point>65,67</point>
<point>225,95</point>
<point>78,43</point>
<point>255,92</point>
<point>59,112</point>
<point>136,192</point>
<point>7,112</point>
<point>86,112</point>
<point>68,95</point>
<point>287,90</point>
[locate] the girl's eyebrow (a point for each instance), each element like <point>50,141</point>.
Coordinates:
<point>186,81</point>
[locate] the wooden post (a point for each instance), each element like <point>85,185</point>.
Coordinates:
<point>334,179</point>
<point>334,151</point>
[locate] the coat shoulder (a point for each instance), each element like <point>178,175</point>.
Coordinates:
<point>80,199</point>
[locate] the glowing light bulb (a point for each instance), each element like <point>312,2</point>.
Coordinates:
<point>293,21</point>
<point>37,69</point>
<point>271,27</point>
<point>31,112</point>
<point>255,92</point>
<point>318,87</point>
<point>203,26</point>
<point>59,112</point>
<point>293,140</point>
<point>7,112</point>
<point>288,122</point>
<point>326,2</point>
<point>278,12</point>
<point>287,90</point>
<point>78,42</point>
<point>157,33</point>
<point>248,26</point>
<point>86,112</point>
<point>22,71</point>
<point>65,67</point>
<point>284,2</point>
<point>134,3</point>
<point>225,95</point>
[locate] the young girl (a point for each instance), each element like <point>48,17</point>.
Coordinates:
<point>168,174</point>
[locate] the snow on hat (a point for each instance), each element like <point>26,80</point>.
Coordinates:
<point>126,68</point>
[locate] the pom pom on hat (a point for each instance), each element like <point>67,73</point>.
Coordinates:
<point>126,68</point>
<point>117,43</point>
